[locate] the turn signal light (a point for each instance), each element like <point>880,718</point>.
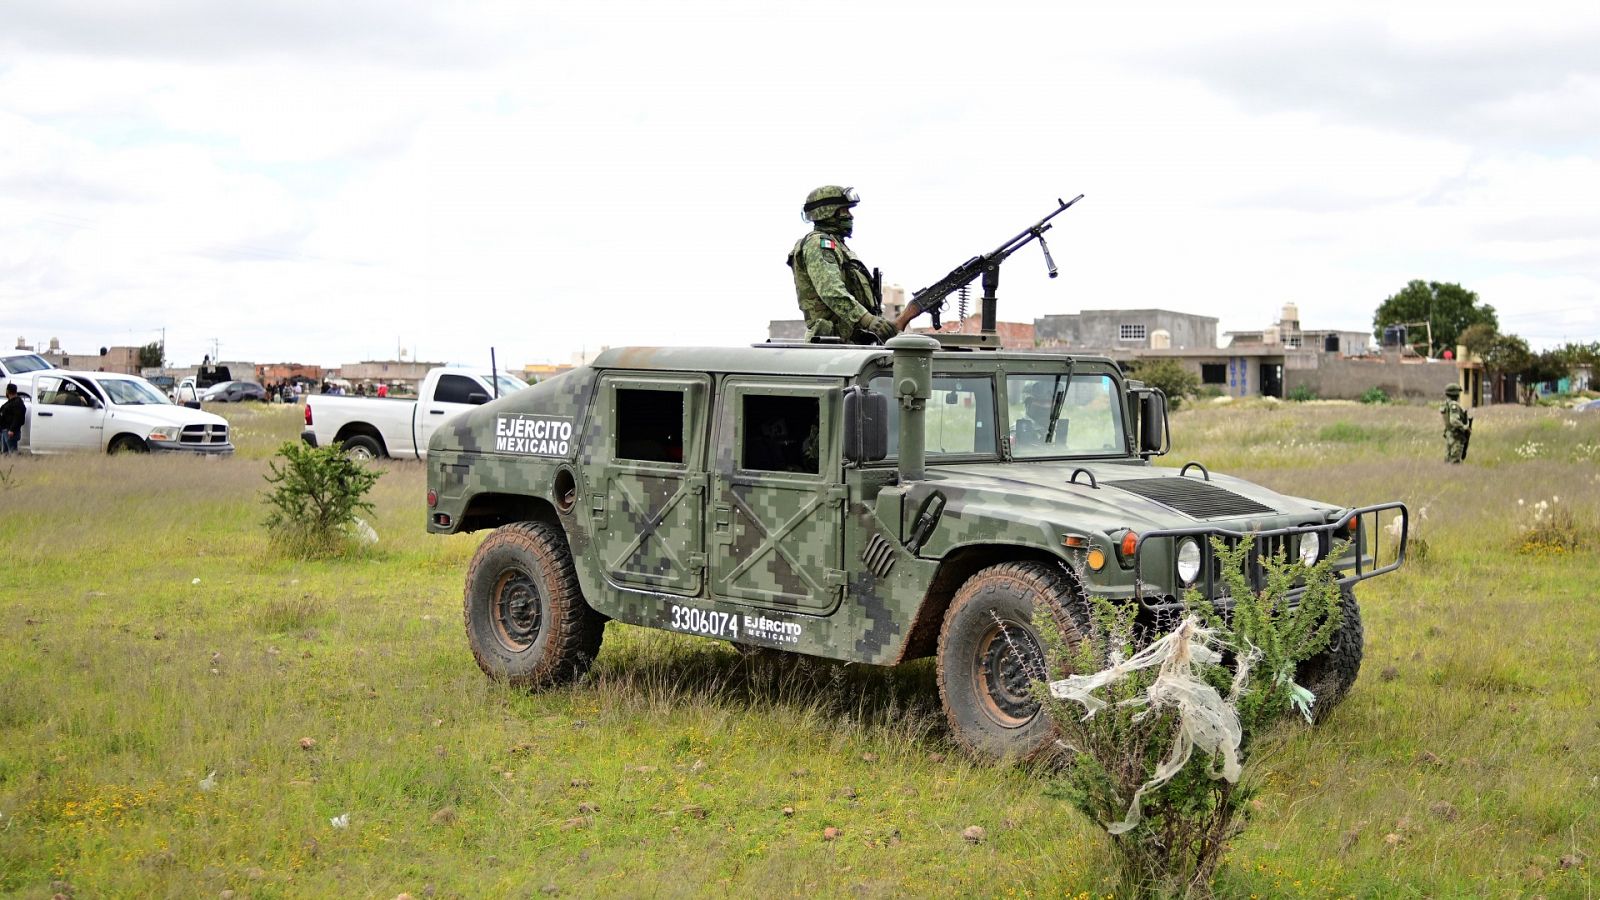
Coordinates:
<point>1097,559</point>
<point>433,499</point>
<point>1130,543</point>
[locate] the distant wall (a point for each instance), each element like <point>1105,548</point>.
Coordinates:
<point>1336,378</point>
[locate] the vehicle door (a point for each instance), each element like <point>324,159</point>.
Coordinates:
<point>646,489</point>
<point>64,416</point>
<point>451,394</point>
<point>779,496</point>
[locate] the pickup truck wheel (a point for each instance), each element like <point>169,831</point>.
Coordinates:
<point>990,654</point>
<point>362,447</point>
<point>527,621</point>
<point>127,444</point>
<point>1330,674</point>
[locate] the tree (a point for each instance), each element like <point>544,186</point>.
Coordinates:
<point>1540,368</point>
<point>1167,374</point>
<point>152,355</point>
<point>1449,307</point>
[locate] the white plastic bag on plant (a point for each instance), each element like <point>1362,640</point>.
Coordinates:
<point>1206,720</point>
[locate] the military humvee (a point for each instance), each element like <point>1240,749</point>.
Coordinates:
<point>867,504</point>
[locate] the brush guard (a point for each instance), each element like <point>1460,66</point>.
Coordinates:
<point>1363,527</point>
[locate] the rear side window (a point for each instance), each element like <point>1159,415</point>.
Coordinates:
<point>455,389</point>
<point>649,425</point>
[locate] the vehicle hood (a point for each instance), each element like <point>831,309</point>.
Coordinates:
<point>1143,498</point>
<point>154,416</point>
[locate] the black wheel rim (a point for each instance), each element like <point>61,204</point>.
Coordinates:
<point>517,609</point>
<point>1008,661</point>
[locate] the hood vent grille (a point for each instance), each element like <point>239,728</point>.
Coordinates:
<point>1197,499</point>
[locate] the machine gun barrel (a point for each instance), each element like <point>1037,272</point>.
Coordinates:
<point>931,298</point>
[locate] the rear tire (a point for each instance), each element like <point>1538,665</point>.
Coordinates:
<point>527,622</point>
<point>990,654</point>
<point>1330,674</point>
<point>363,447</point>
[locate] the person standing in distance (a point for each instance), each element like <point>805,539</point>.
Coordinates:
<point>11,417</point>
<point>831,283</point>
<point>1457,425</point>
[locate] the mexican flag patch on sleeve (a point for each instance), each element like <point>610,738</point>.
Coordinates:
<point>829,244</point>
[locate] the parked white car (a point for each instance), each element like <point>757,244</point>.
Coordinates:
<point>370,427</point>
<point>114,413</point>
<point>19,367</point>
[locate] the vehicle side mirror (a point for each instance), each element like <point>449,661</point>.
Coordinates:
<point>477,398</point>
<point>1152,422</point>
<point>866,425</point>
<point>192,404</point>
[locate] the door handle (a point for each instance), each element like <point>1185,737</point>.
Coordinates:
<point>435,412</point>
<point>46,413</point>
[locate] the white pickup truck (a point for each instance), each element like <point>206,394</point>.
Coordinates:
<point>371,427</point>
<point>114,413</point>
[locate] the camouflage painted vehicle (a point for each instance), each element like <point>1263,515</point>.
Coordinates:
<point>867,504</point>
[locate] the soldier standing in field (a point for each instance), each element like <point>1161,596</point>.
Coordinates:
<point>1457,425</point>
<point>833,286</point>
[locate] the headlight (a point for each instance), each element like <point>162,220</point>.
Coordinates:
<point>1188,561</point>
<point>1310,549</point>
<point>168,433</point>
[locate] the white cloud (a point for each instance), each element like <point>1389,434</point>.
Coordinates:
<point>315,182</point>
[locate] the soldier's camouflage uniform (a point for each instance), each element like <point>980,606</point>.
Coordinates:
<point>832,286</point>
<point>1456,426</point>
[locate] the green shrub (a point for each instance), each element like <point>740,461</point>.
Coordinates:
<point>1169,375</point>
<point>1374,394</point>
<point>316,494</point>
<point>1344,433</point>
<point>1184,825</point>
<point>1301,394</point>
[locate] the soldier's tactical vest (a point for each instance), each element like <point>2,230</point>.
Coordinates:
<point>856,277</point>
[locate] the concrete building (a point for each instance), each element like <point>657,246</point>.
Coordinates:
<point>1288,333</point>
<point>1107,330</point>
<point>401,375</point>
<point>275,373</point>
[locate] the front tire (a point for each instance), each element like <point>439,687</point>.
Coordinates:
<point>990,655</point>
<point>527,622</point>
<point>1330,674</point>
<point>363,447</point>
<point>127,444</point>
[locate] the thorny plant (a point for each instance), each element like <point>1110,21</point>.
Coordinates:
<point>316,494</point>
<point>1187,823</point>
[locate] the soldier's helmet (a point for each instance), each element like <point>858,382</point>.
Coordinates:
<point>826,201</point>
<point>1453,390</point>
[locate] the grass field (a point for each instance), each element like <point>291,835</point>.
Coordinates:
<point>152,638</point>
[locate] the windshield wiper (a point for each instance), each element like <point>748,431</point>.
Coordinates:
<point>1057,398</point>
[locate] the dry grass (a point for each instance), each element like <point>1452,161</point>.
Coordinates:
<point>1464,763</point>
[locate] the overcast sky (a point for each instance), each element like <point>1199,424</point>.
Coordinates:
<point>325,181</point>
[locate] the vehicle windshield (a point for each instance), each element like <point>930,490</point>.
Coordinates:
<point>1051,417</point>
<point>508,384</point>
<point>131,393</point>
<point>29,362</point>
<point>960,416</point>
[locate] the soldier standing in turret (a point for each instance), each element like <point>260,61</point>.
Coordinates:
<point>831,283</point>
<point>1457,425</point>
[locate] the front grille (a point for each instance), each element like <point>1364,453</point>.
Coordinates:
<point>1196,499</point>
<point>204,434</point>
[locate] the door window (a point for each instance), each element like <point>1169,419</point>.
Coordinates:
<point>455,389</point>
<point>781,434</point>
<point>649,425</point>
